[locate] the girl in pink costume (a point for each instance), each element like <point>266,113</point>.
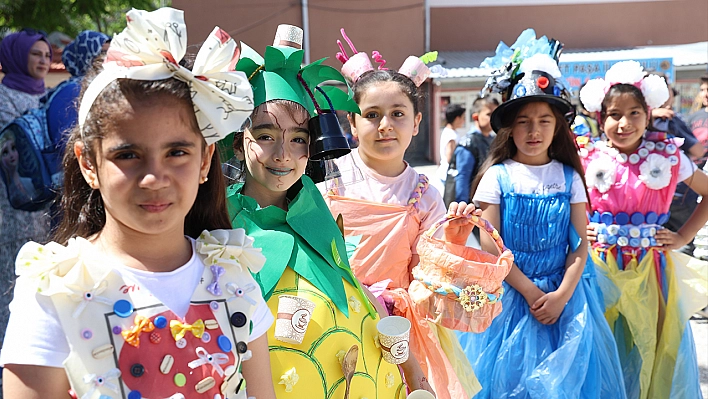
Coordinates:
<point>390,206</point>
<point>651,291</point>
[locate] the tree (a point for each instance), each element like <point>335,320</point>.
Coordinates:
<point>70,16</point>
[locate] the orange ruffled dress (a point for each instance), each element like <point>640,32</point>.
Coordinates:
<point>389,234</point>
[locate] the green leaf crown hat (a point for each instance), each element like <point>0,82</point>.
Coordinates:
<point>279,75</point>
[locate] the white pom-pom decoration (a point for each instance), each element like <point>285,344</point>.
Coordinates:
<point>541,62</point>
<point>655,91</point>
<point>629,72</point>
<point>593,93</point>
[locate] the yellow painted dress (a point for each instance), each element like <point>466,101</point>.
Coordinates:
<point>302,261</point>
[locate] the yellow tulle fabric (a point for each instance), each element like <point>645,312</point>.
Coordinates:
<point>656,322</point>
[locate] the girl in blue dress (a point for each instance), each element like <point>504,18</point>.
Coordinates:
<point>551,339</point>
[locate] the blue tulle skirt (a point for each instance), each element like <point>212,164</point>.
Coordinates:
<point>518,357</point>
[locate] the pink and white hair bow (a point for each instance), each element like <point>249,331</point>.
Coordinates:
<point>151,47</point>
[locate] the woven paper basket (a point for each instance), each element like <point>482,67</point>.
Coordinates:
<point>459,287</point>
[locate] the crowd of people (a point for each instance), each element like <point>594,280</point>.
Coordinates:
<point>149,277</point>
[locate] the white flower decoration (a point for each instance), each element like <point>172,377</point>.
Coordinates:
<point>289,379</point>
<point>593,93</point>
<point>600,173</point>
<point>230,247</point>
<point>655,172</point>
<point>655,91</point>
<point>629,72</point>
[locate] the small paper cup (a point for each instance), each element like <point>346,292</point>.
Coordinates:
<point>393,338</point>
<point>294,315</point>
<point>420,394</point>
<point>356,66</point>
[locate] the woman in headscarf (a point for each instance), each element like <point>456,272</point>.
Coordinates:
<point>78,56</point>
<point>25,57</point>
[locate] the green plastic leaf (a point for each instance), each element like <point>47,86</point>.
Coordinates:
<point>427,58</point>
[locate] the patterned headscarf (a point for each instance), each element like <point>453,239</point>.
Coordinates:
<point>79,54</point>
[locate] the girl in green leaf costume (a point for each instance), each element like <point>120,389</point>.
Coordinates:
<point>280,207</point>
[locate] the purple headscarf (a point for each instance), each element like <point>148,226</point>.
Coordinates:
<point>14,54</point>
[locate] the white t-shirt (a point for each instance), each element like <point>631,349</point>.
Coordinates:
<point>529,179</point>
<point>35,336</point>
<point>446,136</point>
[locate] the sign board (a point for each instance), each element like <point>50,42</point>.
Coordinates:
<point>578,72</point>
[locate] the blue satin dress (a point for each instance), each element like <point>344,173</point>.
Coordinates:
<point>517,356</point>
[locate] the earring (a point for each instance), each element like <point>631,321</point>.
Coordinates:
<point>204,180</point>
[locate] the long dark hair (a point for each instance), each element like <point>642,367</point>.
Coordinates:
<point>83,214</point>
<point>562,148</point>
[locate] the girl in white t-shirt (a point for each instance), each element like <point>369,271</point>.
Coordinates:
<point>551,339</point>
<point>136,298</point>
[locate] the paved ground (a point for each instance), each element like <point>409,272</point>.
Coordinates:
<point>698,325</point>
<point>700,334</point>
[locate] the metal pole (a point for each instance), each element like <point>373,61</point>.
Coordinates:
<point>306,31</point>
<point>427,25</point>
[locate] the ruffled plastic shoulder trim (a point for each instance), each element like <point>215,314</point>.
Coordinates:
<point>43,263</point>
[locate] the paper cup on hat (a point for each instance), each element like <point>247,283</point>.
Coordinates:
<point>294,315</point>
<point>393,338</point>
<point>356,66</point>
<point>288,36</point>
<point>420,394</point>
<point>415,69</point>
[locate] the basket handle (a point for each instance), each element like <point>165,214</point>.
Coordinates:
<point>478,221</point>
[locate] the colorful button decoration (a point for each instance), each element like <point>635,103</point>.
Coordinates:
<point>86,334</point>
<point>664,218</point>
<point>520,91</point>
<point>206,337</point>
<point>660,146</point>
<point>224,343</point>
<point>135,395</point>
<point>671,148</point>
<point>123,308</point>
<point>117,330</point>
<point>621,158</point>
<point>160,322</point>
<point>181,343</point>
<point>649,145</point>
<point>137,370</point>
<point>238,319</point>
<point>180,379</point>
<point>634,159</point>
<point>643,152</point>
<point>241,347</point>
<point>155,337</point>
<point>673,160</point>
<point>214,305</point>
